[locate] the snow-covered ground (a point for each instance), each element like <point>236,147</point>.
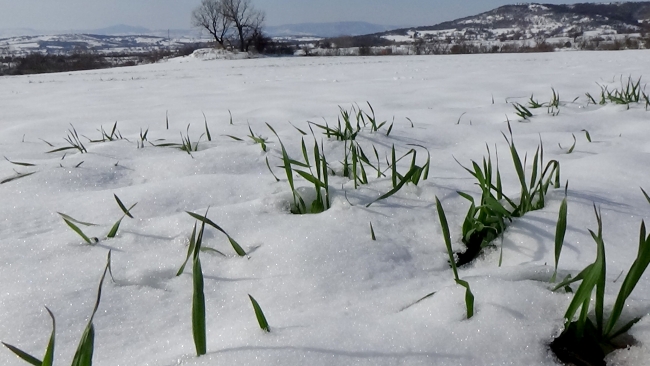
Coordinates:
<point>331,294</point>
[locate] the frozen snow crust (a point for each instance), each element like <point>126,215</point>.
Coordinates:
<point>332,296</point>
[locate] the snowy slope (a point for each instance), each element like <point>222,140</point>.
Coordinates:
<point>331,294</point>
<point>538,21</point>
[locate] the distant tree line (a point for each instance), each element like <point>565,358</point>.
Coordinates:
<point>38,63</point>
<point>377,46</point>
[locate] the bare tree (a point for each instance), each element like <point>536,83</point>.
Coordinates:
<point>210,16</point>
<point>246,20</point>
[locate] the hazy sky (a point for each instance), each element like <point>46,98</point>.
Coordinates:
<point>174,14</point>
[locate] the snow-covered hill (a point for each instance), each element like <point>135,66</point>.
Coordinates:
<point>538,22</point>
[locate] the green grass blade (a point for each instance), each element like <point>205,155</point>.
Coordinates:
<point>66,217</point>
<point>519,169</point>
<point>76,229</point>
<point>325,177</point>
<point>17,176</point>
<point>583,321</point>
<point>447,236</point>
<point>560,231</point>
<point>601,267</point>
<point>238,249</point>
<point>583,294</point>
<point>207,130</point>
<point>533,175</point>
<point>198,300</point>
<point>299,203</point>
<point>48,358</point>
<point>412,125</point>
<point>298,163</point>
<point>501,252</point>
<point>399,186</point>
<point>461,116</point>
<point>624,328</point>
<point>646,195</point>
<point>418,301</point>
<point>469,298</point>
<point>355,175</point>
<point>317,206</point>
<point>190,250</point>
<point>234,138</point>
<point>299,130</point>
<point>592,276</point>
<point>590,99</point>
<point>499,186</point>
<point>211,250</point>
<point>572,146</point>
<point>84,354</point>
<point>633,276</point>
<point>310,178</point>
<point>116,226</point>
<point>393,167</point>
<point>569,280</point>
<point>19,163</point>
<point>61,149</point>
<point>478,174</point>
<point>169,144</point>
<point>123,208</point>
<point>101,283</point>
<point>114,128</point>
<point>49,144</point>
<point>304,151</point>
<point>425,167</point>
<point>287,167</point>
<point>110,269</point>
<point>466,196</point>
<point>372,232</point>
<point>317,162</point>
<point>271,170</point>
<point>496,206</point>
<point>261,319</point>
<point>23,355</point>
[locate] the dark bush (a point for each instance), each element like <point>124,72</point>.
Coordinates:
<point>37,63</point>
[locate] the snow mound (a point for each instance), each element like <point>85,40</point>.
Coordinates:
<point>218,54</point>
<point>207,54</point>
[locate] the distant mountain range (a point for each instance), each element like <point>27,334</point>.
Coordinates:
<point>120,29</point>
<point>115,30</point>
<point>321,30</point>
<point>325,30</point>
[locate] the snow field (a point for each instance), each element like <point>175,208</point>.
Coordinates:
<point>330,293</point>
